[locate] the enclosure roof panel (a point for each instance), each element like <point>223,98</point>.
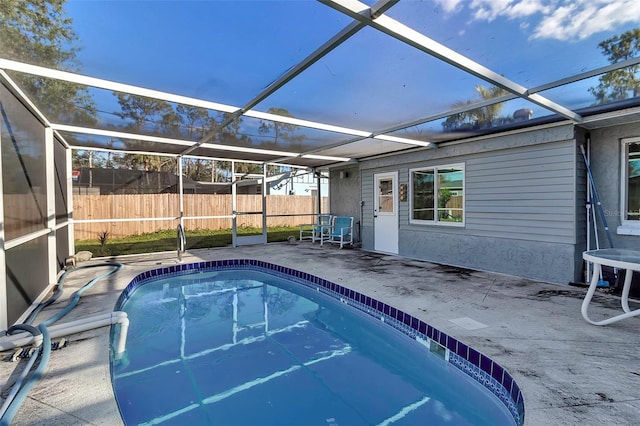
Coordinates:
<point>321,83</point>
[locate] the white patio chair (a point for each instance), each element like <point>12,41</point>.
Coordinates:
<point>316,231</point>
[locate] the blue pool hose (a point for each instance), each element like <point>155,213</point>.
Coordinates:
<point>14,405</point>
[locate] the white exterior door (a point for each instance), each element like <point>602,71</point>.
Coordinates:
<point>385,213</point>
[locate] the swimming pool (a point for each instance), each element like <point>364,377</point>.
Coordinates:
<point>247,342</point>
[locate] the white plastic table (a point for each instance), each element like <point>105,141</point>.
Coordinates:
<point>616,258</point>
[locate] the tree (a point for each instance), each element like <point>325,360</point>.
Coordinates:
<point>147,114</point>
<point>247,168</point>
<point>87,158</point>
<point>143,112</point>
<point>478,118</point>
<point>281,132</point>
<point>195,124</point>
<point>622,83</point>
<point>39,32</point>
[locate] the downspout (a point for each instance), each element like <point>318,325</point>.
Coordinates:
<point>589,209</point>
<point>360,221</point>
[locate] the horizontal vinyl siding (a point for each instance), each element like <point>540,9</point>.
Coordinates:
<point>525,193</point>
<point>517,222</point>
<point>543,182</point>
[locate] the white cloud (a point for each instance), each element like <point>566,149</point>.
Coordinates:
<point>554,19</point>
<point>449,6</point>
<point>489,10</point>
<point>523,9</point>
<point>586,18</point>
<point>554,25</point>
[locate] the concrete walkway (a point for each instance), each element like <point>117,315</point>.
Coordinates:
<point>570,372</point>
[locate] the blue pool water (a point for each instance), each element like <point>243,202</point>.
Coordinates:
<point>247,346</point>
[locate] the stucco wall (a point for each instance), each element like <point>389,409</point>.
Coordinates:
<point>606,151</point>
<point>547,262</point>
<point>344,195</point>
<point>556,257</point>
<point>531,230</point>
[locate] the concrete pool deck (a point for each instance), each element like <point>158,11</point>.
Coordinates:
<point>570,372</point>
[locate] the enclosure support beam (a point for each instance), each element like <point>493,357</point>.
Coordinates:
<point>3,264</point>
<point>264,202</point>
<point>401,32</point>
<point>69,206</point>
<point>180,191</point>
<point>50,173</point>
<point>234,206</point>
<point>289,75</point>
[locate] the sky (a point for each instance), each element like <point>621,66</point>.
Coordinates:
<point>228,51</point>
<point>565,20</point>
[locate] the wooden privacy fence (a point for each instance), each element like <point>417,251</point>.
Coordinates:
<point>23,214</point>
<point>144,207</point>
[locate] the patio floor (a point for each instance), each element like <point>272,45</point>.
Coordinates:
<point>570,372</point>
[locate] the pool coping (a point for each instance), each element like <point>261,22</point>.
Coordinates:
<point>476,365</point>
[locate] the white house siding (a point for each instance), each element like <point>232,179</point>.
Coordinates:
<point>521,205</point>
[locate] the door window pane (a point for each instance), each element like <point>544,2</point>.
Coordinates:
<point>385,195</point>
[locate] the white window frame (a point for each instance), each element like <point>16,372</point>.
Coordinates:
<point>627,227</point>
<point>435,220</point>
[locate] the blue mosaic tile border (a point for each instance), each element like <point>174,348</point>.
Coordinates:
<point>473,363</point>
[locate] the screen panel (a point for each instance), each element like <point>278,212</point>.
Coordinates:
<point>23,168</point>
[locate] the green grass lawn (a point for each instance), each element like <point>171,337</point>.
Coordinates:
<point>167,241</point>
